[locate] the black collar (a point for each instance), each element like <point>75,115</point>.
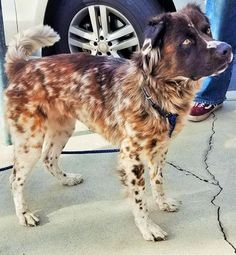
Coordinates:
<point>171,117</point>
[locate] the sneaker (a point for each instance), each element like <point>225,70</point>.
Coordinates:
<point>201,111</point>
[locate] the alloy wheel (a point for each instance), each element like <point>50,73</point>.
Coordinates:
<point>102,30</point>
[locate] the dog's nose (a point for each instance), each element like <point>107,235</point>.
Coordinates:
<point>224,49</point>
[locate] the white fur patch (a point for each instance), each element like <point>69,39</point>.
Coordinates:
<point>147,46</point>
<point>212,44</point>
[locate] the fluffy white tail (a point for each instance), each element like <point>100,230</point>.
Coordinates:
<point>25,43</point>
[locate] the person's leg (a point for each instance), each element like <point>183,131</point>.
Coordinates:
<point>210,97</point>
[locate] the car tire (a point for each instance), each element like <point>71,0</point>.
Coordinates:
<point>133,12</point>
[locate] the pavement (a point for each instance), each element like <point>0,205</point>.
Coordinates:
<point>95,218</point>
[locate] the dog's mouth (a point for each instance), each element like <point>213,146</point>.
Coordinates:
<point>221,70</point>
<point>224,66</point>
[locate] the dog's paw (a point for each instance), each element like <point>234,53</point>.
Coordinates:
<point>28,219</point>
<point>152,232</point>
<point>70,179</point>
<point>168,204</point>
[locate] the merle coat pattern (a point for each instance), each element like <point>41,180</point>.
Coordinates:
<point>46,96</point>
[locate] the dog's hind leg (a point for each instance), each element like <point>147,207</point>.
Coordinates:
<point>131,169</point>
<point>58,133</point>
<point>156,164</point>
<point>28,134</point>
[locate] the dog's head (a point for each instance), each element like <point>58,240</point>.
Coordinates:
<point>181,44</point>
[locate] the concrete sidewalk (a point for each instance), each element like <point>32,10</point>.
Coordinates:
<point>93,218</point>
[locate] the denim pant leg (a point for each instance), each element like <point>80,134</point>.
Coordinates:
<point>222,16</point>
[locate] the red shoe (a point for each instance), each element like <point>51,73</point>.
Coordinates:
<point>201,111</point>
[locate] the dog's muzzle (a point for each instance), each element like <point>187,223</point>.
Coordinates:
<point>224,50</point>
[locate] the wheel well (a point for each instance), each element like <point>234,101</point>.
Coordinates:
<point>52,5</point>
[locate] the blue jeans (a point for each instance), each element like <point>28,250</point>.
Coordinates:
<point>222,16</point>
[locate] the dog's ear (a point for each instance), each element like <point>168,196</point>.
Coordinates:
<point>154,37</point>
<point>192,7</point>
<point>154,33</point>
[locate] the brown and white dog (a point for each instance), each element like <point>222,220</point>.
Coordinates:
<point>138,104</point>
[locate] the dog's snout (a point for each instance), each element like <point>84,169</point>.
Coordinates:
<point>224,49</point>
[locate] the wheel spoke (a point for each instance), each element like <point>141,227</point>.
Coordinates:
<point>125,44</point>
<point>94,52</point>
<point>94,20</point>
<point>104,20</point>
<point>115,54</point>
<point>79,44</point>
<point>121,32</point>
<point>82,33</point>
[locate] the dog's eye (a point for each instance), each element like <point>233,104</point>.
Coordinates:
<point>187,42</point>
<point>208,31</point>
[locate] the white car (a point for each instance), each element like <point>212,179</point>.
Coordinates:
<point>100,27</point>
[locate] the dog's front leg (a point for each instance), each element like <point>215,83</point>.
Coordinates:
<point>156,164</point>
<point>132,176</point>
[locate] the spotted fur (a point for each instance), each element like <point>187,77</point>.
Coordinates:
<point>45,97</point>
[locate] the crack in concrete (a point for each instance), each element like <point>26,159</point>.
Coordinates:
<point>213,181</point>
<point>210,143</point>
<point>190,173</point>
